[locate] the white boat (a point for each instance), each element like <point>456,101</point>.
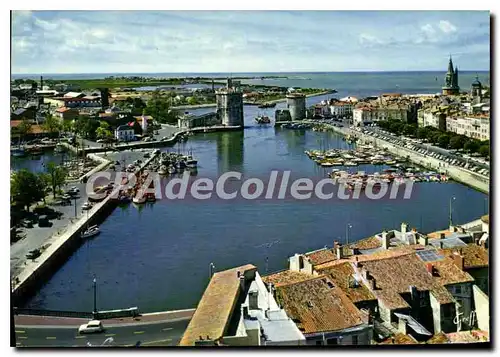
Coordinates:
<point>163,170</point>
<point>191,163</point>
<point>139,199</point>
<point>91,232</point>
<point>326,164</point>
<point>351,163</point>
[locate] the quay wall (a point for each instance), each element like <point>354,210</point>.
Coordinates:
<point>34,276</point>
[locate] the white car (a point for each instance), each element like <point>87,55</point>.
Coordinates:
<point>94,326</point>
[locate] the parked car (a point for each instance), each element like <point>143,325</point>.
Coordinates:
<point>94,326</point>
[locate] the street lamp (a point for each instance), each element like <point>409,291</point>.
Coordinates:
<point>347,228</point>
<point>451,218</point>
<point>211,270</point>
<point>95,295</point>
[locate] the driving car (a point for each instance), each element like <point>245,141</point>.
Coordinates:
<point>94,326</point>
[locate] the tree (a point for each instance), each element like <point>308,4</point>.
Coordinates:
<point>191,101</point>
<point>159,108</point>
<point>457,142</point>
<point>23,129</point>
<point>68,126</point>
<point>443,140</point>
<point>51,124</point>
<point>57,176</point>
<point>103,131</point>
<point>484,150</point>
<point>409,130</point>
<point>86,126</point>
<point>471,145</point>
<point>27,188</point>
<point>422,133</point>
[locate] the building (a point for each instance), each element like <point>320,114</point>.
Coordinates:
<point>230,105</point>
<point>343,107</point>
<point>451,80</point>
<point>64,113</point>
<point>296,104</point>
<point>24,114</point>
<point>124,133</point>
<point>237,309</point>
<point>282,115</point>
<point>477,127</point>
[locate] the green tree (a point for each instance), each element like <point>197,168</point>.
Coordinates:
<point>68,126</point>
<point>103,131</point>
<point>23,129</point>
<point>484,150</point>
<point>423,133</point>
<point>51,124</point>
<point>443,140</point>
<point>457,142</point>
<point>86,127</point>
<point>57,176</point>
<point>159,108</point>
<point>471,145</point>
<point>27,188</point>
<point>191,101</point>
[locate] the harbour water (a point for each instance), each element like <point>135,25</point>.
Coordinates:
<point>157,256</point>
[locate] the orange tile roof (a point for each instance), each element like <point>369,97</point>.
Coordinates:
<point>341,275</point>
<point>438,339</point>
<point>447,272</point>
<point>399,339</point>
<point>393,276</point>
<point>214,310</point>
<point>437,234</point>
<point>321,256</point>
<point>316,307</point>
<point>474,255</point>
<point>367,243</point>
<point>468,336</point>
<point>286,277</point>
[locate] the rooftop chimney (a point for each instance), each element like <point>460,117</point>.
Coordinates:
<point>430,268</point>
<point>404,228</point>
<point>402,326</point>
<point>373,283</point>
<point>423,240</point>
<point>340,251</point>
<point>459,260</point>
<point>386,241</point>
<point>242,282</point>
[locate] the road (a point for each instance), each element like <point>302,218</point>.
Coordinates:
<point>41,236</point>
<point>162,333</point>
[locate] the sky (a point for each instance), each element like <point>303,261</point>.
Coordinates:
<point>247,41</point>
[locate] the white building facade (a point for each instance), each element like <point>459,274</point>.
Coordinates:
<point>124,133</point>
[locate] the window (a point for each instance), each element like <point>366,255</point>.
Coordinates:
<point>332,341</point>
<point>355,339</point>
<point>458,289</point>
<point>319,343</point>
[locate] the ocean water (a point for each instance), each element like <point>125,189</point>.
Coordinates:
<point>359,84</point>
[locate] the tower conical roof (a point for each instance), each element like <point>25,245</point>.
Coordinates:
<point>450,66</point>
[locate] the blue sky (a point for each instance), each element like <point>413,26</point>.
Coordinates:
<point>247,41</point>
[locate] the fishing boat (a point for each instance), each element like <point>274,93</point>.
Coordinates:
<point>351,163</point>
<point>139,199</point>
<point>91,232</point>
<point>326,164</point>
<point>172,169</point>
<point>19,152</point>
<point>163,170</point>
<point>267,105</point>
<point>262,119</point>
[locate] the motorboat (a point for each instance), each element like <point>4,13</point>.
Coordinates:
<point>326,164</point>
<point>139,199</point>
<point>351,163</point>
<point>91,232</point>
<point>163,170</point>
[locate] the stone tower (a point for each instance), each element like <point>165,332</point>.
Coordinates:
<point>476,91</point>
<point>451,80</point>
<point>230,105</point>
<point>296,104</point>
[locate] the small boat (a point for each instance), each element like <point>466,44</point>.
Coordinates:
<point>163,170</point>
<point>192,163</point>
<point>20,152</point>
<point>91,232</point>
<point>326,164</point>
<point>139,199</point>
<point>262,119</point>
<point>267,105</point>
<point>351,163</point>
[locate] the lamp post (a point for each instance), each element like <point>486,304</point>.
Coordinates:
<point>211,270</point>
<point>347,228</point>
<point>95,295</point>
<point>451,217</point>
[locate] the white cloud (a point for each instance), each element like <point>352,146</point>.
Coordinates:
<point>428,29</point>
<point>447,27</point>
<point>369,40</point>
